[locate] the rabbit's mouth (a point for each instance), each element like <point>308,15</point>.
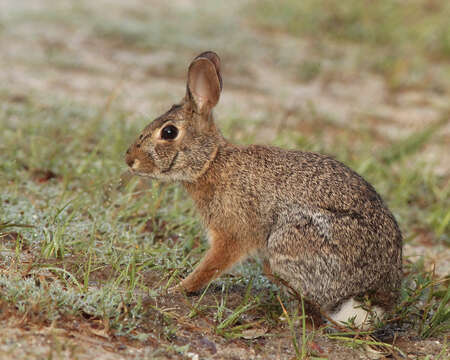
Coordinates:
<point>135,168</point>
<point>142,174</point>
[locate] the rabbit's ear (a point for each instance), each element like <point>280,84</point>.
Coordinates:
<point>204,82</point>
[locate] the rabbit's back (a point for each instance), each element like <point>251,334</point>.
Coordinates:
<point>271,178</point>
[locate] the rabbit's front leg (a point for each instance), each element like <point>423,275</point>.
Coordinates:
<point>224,252</point>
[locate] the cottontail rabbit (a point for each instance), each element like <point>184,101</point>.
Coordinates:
<point>318,225</point>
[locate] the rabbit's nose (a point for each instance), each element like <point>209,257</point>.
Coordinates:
<point>129,160</point>
<point>133,163</point>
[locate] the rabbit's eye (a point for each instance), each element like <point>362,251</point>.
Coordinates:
<point>169,132</point>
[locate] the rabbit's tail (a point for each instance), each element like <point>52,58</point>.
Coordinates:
<point>354,313</point>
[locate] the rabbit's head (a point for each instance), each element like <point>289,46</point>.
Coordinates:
<point>180,144</point>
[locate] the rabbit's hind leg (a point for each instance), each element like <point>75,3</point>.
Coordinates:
<point>298,256</point>
<point>294,256</point>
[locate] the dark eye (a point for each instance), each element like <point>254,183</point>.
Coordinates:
<point>169,132</point>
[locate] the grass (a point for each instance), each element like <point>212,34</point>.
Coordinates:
<point>80,246</point>
<point>398,49</point>
<point>374,23</point>
<point>73,248</point>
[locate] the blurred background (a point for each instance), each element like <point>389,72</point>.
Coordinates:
<point>288,65</point>
<point>365,81</point>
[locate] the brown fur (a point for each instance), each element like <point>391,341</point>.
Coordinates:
<point>319,226</point>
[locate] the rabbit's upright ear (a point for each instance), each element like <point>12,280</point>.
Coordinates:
<point>204,82</point>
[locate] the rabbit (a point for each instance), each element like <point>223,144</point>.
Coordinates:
<point>316,223</point>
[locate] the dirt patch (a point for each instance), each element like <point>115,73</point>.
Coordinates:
<point>23,338</point>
